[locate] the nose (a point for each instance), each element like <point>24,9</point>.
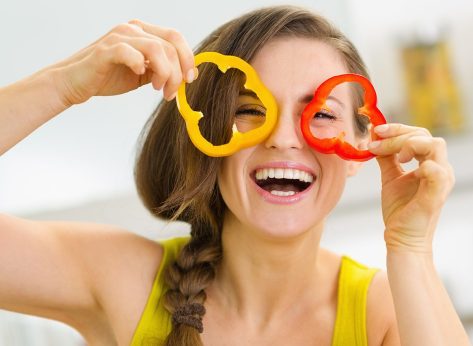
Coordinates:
<point>287,132</point>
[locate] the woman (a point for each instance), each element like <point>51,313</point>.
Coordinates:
<point>252,272</point>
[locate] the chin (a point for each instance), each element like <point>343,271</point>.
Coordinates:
<point>281,227</point>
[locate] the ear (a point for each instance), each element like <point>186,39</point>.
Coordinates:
<point>354,166</point>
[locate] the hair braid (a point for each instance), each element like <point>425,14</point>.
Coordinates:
<point>186,280</point>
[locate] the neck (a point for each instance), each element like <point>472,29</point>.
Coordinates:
<point>263,276</point>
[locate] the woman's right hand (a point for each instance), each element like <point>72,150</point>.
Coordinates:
<point>129,56</point>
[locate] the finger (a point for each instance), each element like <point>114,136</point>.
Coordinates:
<point>175,78</point>
<point>186,56</point>
<point>120,53</point>
<point>389,167</point>
<point>161,59</point>
<point>396,129</point>
<point>166,74</point>
<point>423,148</point>
<point>436,181</point>
<point>161,71</point>
<point>157,60</point>
<point>392,145</point>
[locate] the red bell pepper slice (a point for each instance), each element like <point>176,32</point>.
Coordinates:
<point>337,145</point>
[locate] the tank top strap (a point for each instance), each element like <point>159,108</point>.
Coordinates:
<point>155,323</point>
<point>350,323</point>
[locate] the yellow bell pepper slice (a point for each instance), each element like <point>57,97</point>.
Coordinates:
<point>239,140</point>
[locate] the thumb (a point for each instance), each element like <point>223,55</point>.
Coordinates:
<point>390,168</point>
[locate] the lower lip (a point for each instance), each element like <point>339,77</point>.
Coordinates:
<point>269,197</point>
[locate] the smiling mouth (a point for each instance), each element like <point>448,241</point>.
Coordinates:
<point>283,181</point>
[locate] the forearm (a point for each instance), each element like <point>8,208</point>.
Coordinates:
<point>26,105</point>
<point>424,311</point>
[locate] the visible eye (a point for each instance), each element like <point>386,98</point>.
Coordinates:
<point>251,110</point>
<point>249,117</point>
<point>324,114</point>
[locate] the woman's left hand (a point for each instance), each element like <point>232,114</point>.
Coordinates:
<point>411,200</point>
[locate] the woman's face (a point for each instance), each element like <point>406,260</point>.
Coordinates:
<point>306,184</point>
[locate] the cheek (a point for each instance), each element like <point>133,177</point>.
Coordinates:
<point>333,184</point>
<point>349,130</point>
<point>334,172</point>
<point>338,165</point>
<point>225,187</point>
<point>224,180</point>
<point>231,176</point>
<point>231,189</point>
<point>323,131</point>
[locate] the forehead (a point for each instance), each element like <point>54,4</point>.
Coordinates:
<point>301,63</point>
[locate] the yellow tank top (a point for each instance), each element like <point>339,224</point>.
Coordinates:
<point>350,324</point>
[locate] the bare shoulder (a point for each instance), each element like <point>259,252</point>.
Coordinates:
<point>121,267</point>
<point>380,315</point>
<point>93,277</point>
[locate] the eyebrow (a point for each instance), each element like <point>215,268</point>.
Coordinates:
<point>305,99</point>
<point>246,92</point>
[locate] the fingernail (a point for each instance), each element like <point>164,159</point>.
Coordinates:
<point>381,128</point>
<point>190,75</point>
<point>374,144</point>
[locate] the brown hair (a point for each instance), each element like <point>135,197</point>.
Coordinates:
<point>176,181</point>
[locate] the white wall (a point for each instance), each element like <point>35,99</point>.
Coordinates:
<point>380,28</point>
<point>79,166</point>
<point>88,152</point>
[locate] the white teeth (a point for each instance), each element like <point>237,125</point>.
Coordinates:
<point>310,178</point>
<point>283,193</point>
<point>286,173</point>
<point>279,173</point>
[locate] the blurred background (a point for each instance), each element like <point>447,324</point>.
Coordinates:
<point>79,165</point>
